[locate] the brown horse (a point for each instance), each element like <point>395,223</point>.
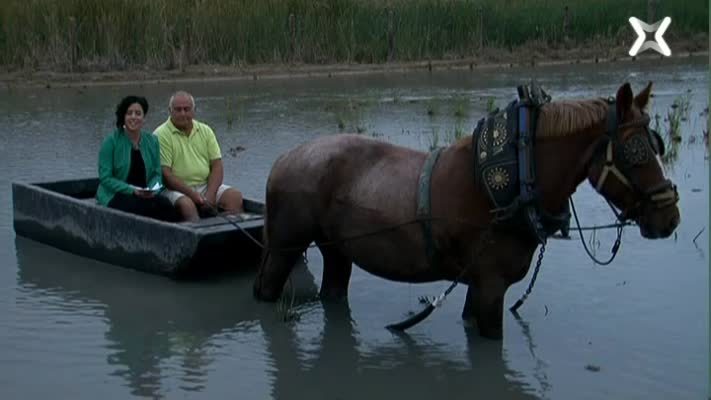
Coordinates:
<point>335,189</point>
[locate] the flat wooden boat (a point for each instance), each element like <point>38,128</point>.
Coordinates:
<point>64,214</point>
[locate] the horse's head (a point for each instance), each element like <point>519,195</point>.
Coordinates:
<point>626,169</point>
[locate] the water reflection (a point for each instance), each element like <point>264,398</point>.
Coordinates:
<point>407,366</point>
<point>159,330</point>
<point>539,369</point>
<point>158,338</point>
<point>150,319</point>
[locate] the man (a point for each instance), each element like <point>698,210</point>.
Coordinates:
<point>191,162</point>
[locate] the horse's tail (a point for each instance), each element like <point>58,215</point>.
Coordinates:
<point>266,251</point>
<point>257,286</point>
<point>265,229</point>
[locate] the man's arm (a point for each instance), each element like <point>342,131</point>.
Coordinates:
<point>170,181</point>
<point>214,180</point>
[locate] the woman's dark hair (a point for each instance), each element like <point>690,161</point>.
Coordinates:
<point>123,106</point>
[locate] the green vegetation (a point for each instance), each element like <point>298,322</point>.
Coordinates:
<point>461,107</point>
<point>433,107</point>
<point>678,112</point>
<point>490,105</point>
<point>457,134</point>
<point>350,114</point>
<point>117,34</point>
<point>433,139</point>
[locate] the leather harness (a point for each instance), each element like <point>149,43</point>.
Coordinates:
<point>503,150</point>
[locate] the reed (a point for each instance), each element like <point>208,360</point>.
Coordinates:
<point>116,34</point>
<point>350,114</point>
<point>491,105</point>
<point>433,138</point>
<point>461,107</point>
<point>455,134</point>
<point>677,113</point>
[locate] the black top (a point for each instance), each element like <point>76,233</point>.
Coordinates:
<point>137,173</point>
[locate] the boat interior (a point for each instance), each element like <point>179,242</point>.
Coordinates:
<point>85,190</point>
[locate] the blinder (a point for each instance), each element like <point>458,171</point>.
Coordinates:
<point>640,149</point>
<point>636,150</point>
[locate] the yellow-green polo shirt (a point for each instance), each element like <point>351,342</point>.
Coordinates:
<point>189,156</point>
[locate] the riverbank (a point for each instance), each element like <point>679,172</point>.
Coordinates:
<point>54,41</point>
<point>530,55</point>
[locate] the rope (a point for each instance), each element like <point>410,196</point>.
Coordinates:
<point>392,228</point>
<point>615,247</point>
<point>438,300</point>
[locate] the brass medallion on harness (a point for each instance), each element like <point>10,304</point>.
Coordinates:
<point>496,164</point>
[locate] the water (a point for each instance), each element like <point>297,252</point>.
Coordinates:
<point>74,327</point>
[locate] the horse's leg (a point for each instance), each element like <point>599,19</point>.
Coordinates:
<point>485,304</point>
<point>285,241</point>
<point>470,304</point>
<point>273,273</point>
<point>336,273</point>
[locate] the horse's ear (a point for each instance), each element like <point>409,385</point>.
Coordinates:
<point>642,99</point>
<point>624,100</point>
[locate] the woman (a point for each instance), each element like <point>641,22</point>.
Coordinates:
<point>129,165</point>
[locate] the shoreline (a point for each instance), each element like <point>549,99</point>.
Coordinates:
<point>224,73</point>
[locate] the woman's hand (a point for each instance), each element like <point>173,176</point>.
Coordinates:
<point>144,194</point>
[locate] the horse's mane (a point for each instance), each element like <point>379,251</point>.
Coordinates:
<point>569,117</point>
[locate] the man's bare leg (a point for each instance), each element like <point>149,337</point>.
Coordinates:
<point>231,201</point>
<point>187,209</point>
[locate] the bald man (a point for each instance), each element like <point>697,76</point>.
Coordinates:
<point>191,162</point>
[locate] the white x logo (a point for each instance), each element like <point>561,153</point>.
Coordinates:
<point>658,44</point>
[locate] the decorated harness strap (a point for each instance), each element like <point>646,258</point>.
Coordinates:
<point>504,163</point>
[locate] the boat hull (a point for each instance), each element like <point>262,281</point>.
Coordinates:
<point>64,215</point>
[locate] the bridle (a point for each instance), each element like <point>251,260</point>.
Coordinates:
<point>638,149</point>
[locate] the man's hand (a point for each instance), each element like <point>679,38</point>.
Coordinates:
<point>197,198</point>
<point>211,199</point>
<point>209,205</point>
<point>173,183</point>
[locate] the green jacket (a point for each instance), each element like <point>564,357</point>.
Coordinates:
<point>115,162</point>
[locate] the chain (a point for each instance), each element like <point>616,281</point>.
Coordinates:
<point>523,298</point>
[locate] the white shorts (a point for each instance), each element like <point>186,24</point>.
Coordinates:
<point>173,195</point>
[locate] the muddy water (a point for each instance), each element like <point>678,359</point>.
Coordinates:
<point>73,327</point>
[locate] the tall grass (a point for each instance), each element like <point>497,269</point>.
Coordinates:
<point>173,33</point>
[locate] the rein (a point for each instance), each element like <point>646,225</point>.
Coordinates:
<point>619,158</point>
<point>615,247</point>
<point>417,220</point>
<point>437,301</point>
